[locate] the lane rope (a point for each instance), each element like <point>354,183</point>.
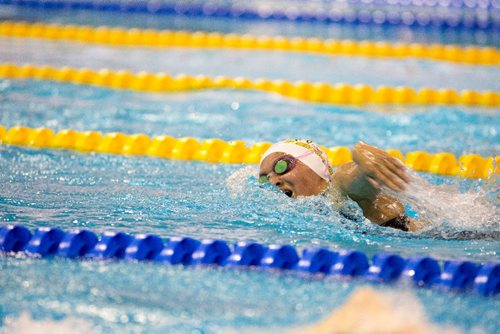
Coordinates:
<point>473,55</point>
<point>235,151</point>
<point>317,92</point>
<point>437,14</point>
<point>452,275</point>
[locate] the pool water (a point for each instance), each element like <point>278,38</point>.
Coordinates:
<point>167,197</point>
<point>147,298</point>
<point>249,116</point>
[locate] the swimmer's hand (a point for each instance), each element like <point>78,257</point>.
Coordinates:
<point>379,168</point>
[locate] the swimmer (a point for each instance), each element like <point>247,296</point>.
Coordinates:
<point>301,168</point>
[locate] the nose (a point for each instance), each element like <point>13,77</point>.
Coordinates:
<point>274,179</point>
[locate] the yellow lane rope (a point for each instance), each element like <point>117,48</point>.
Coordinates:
<point>236,151</point>
<point>301,90</point>
<point>167,38</point>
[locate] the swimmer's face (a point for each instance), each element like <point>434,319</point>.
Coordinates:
<point>298,181</point>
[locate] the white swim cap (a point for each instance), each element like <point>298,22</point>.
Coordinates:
<point>307,152</point>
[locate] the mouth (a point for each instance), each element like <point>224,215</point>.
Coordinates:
<point>289,193</point>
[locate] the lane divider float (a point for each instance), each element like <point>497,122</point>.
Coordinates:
<point>116,36</point>
<point>216,150</point>
<point>456,14</point>
<point>317,92</point>
<point>453,275</point>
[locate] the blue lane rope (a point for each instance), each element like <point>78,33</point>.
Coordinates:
<point>466,14</point>
<point>384,267</point>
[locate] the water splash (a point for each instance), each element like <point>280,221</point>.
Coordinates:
<point>453,214</point>
<point>304,220</point>
<point>239,179</point>
<point>243,184</point>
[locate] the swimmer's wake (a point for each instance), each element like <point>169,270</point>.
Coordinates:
<point>451,214</point>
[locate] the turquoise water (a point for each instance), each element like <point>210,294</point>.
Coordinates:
<point>146,195</point>
<point>250,116</point>
<point>166,197</point>
<point>147,298</point>
<point>194,199</point>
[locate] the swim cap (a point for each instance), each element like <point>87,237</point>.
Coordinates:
<point>305,151</point>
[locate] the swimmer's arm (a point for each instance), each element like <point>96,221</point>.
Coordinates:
<point>370,169</point>
<point>362,179</point>
<point>377,206</point>
<point>385,210</point>
<point>354,183</point>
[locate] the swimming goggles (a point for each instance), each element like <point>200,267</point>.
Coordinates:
<point>281,166</point>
